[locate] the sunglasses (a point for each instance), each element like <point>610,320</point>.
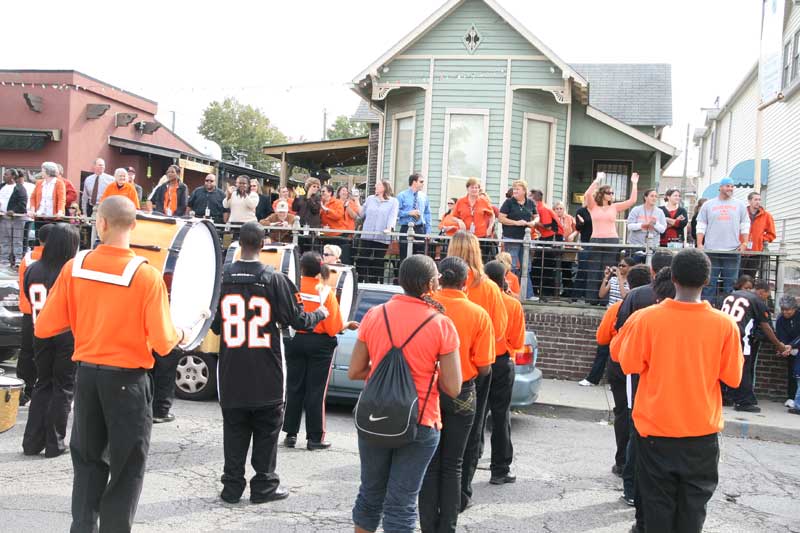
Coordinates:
<point>609,193</point>
<point>451,203</point>
<point>622,265</point>
<point>326,254</point>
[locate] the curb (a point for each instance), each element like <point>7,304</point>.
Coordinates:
<point>740,429</point>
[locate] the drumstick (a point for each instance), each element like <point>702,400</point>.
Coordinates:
<point>149,247</point>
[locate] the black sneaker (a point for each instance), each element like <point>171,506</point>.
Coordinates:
<point>227,497</point>
<point>279,494</point>
<point>628,501</point>
<point>169,417</point>
<point>318,445</point>
<point>747,408</point>
<point>617,470</point>
<point>290,441</point>
<point>794,411</point>
<point>502,479</point>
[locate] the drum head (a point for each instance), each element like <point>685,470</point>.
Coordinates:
<point>196,280</point>
<point>7,382</point>
<point>346,287</point>
<point>281,257</point>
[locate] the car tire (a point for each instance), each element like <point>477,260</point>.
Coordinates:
<point>196,377</point>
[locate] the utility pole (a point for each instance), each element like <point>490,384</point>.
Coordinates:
<point>173,120</point>
<point>324,124</point>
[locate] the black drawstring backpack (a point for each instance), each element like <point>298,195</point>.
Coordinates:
<point>387,412</point>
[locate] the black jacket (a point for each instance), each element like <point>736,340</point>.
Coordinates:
<point>18,202</point>
<point>308,209</point>
<point>264,207</point>
<point>251,369</point>
<point>636,299</point>
<point>680,227</point>
<point>158,199</point>
<point>585,227</point>
<point>202,198</point>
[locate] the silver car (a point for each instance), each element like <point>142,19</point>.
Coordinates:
<point>527,378</point>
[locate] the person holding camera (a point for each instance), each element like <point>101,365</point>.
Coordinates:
<point>615,281</point>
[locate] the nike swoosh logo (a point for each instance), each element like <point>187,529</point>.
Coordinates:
<point>374,419</point>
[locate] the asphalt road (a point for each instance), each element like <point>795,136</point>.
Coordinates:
<point>564,483</point>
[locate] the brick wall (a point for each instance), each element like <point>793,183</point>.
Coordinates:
<point>567,347</point>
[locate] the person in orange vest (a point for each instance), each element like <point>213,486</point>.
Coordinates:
<point>762,232</point>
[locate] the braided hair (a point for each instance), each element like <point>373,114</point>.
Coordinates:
<point>416,273</point>
<point>453,273</point>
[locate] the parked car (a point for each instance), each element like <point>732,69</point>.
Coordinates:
<point>527,379</point>
<point>10,315</point>
<point>196,377</point>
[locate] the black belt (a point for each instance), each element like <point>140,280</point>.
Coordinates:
<point>110,368</point>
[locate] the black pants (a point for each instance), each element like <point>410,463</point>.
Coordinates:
<point>599,365</point>
<point>419,240</point>
<point>488,251</point>
<point>308,366</point>
<point>472,450</point>
<point>617,381</point>
<point>599,258</point>
<point>791,381</point>
<point>164,382</point>
<point>263,426</point>
<point>373,254</point>
<point>543,270</point>
<point>502,386</point>
<point>439,498</point>
<point>109,443</point>
<point>676,478</point>
<point>26,364</point>
<point>744,394</point>
<point>52,396</point>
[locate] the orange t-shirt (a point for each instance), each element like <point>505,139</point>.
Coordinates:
<point>333,217</point>
<point>332,324</point>
<point>480,214</point>
<point>514,338</point>
<point>438,337</point>
<point>350,222</point>
<point>489,296</point>
<point>127,190</point>
<point>606,330</point>
<point>513,283</point>
<point>24,303</point>
<point>679,384</point>
<point>449,221</point>
<point>113,325</point>
<point>474,327</point>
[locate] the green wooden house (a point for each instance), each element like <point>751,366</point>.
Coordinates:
<point>471,92</point>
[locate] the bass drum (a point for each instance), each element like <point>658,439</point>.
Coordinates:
<point>281,257</point>
<point>188,254</point>
<point>10,391</point>
<point>344,281</point>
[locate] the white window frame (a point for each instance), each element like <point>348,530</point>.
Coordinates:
<point>396,117</point>
<point>445,156</point>
<point>551,164</point>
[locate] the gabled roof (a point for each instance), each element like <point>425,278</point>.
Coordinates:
<point>636,94</point>
<point>443,12</point>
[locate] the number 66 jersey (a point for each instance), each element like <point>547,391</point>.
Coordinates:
<point>255,303</point>
<point>748,311</point>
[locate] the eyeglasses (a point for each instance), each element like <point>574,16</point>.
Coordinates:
<point>609,193</point>
<point>451,203</point>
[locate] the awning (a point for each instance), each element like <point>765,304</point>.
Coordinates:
<point>26,138</point>
<point>742,176</point>
<point>144,148</point>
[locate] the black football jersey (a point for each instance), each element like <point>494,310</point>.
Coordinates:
<point>38,281</point>
<point>748,311</point>
<point>256,302</point>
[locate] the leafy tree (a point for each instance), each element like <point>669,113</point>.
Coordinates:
<point>237,127</point>
<point>344,128</point>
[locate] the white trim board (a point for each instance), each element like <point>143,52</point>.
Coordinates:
<point>508,112</point>
<point>551,160</point>
<point>462,111</point>
<point>630,131</point>
<point>426,125</point>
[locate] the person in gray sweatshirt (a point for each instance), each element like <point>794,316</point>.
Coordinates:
<point>723,225</point>
<point>646,222</point>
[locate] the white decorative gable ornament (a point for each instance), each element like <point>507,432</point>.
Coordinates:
<point>472,39</point>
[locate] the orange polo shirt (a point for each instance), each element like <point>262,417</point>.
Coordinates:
<point>679,384</point>
<point>474,327</point>
<point>514,338</point>
<point>332,325</point>
<point>513,283</point>
<point>489,296</point>
<point>333,217</point>
<point>113,325</point>
<point>606,330</point>
<point>449,220</point>
<point>127,190</point>
<point>479,214</point>
<point>24,303</point>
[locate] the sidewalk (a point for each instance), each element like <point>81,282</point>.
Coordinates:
<point>566,399</point>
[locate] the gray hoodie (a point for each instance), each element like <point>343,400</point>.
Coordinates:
<point>640,215</point>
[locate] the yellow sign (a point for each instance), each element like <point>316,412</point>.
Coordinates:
<point>577,198</point>
<point>194,165</point>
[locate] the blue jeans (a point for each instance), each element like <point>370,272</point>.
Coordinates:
<point>515,250</point>
<point>797,395</point>
<point>390,482</point>
<point>725,266</point>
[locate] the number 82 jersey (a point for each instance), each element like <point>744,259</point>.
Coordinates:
<point>748,311</point>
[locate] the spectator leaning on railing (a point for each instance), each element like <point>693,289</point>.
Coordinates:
<point>516,214</point>
<point>599,200</point>
<point>49,196</point>
<point>646,222</point>
<point>279,223</point>
<point>762,232</point>
<point>723,225</point>
<point>676,217</point>
<point>308,206</point>
<point>414,210</point>
<point>379,215</point>
<point>206,201</point>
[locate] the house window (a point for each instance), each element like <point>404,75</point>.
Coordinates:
<point>538,157</point>
<point>787,60</point>
<point>618,175</point>
<point>466,143</point>
<point>796,55</point>
<point>403,150</point>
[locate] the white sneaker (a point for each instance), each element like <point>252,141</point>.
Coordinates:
<point>585,383</point>
<point>789,404</point>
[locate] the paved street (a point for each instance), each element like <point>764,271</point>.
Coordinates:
<point>564,483</point>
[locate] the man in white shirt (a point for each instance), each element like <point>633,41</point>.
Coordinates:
<point>94,186</point>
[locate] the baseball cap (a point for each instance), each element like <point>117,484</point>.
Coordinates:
<point>725,181</point>
<point>282,207</point>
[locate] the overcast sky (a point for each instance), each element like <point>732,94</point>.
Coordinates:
<point>295,58</point>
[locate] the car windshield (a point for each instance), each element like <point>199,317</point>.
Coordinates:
<point>369,299</point>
